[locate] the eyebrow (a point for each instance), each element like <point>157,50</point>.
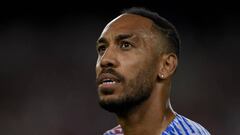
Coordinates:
<point>123,36</point>
<point>101,40</point>
<point>117,38</point>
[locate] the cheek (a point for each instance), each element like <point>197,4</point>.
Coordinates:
<point>98,66</point>
<point>139,63</point>
<point>132,67</point>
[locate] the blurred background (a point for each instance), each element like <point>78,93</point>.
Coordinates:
<point>47,65</point>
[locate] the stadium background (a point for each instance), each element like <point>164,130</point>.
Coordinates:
<point>47,72</point>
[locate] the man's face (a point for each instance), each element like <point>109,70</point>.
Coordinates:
<point>126,68</point>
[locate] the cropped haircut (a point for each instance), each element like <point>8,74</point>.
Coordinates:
<point>162,24</point>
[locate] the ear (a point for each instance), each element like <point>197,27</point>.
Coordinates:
<point>168,64</point>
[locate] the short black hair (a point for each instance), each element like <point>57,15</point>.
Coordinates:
<point>163,25</point>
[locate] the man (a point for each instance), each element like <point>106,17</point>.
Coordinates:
<point>137,56</point>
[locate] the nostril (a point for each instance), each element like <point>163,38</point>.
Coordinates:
<point>107,64</point>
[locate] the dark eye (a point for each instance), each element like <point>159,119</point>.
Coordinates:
<point>101,49</point>
<point>125,45</point>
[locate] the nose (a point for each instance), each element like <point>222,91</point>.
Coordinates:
<point>109,58</point>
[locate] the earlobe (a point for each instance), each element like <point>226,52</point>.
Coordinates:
<point>162,76</point>
<point>168,65</point>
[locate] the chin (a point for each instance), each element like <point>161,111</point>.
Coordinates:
<point>108,98</point>
<point>109,103</point>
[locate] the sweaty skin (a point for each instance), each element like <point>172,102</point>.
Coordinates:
<point>129,45</point>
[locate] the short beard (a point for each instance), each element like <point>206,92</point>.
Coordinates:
<point>138,90</point>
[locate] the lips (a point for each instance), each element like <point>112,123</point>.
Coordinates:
<point>107,79</point>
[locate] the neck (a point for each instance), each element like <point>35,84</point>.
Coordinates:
<point>151,117</point>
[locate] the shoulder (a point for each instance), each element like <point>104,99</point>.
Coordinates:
<point>185,126</point>
<point>115,131</point>
<point>179,126</point>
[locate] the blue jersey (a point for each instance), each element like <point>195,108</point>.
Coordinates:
<point>179,126</point>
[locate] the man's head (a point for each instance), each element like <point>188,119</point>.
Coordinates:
<point>136,52</point>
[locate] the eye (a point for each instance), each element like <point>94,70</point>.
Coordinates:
<point>125,45</point>
<point>101,49</point>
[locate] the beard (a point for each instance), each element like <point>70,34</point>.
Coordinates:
<point>136,91</point>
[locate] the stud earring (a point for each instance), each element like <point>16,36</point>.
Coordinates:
<point>162,76</point>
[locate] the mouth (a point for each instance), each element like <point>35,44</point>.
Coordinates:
<point>107,81</point>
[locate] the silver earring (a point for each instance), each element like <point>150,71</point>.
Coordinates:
<point>162,76</point>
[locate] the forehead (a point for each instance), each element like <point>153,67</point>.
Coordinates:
<point>129,24</point>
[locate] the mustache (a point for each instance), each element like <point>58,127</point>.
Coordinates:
<point>112,72</point>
